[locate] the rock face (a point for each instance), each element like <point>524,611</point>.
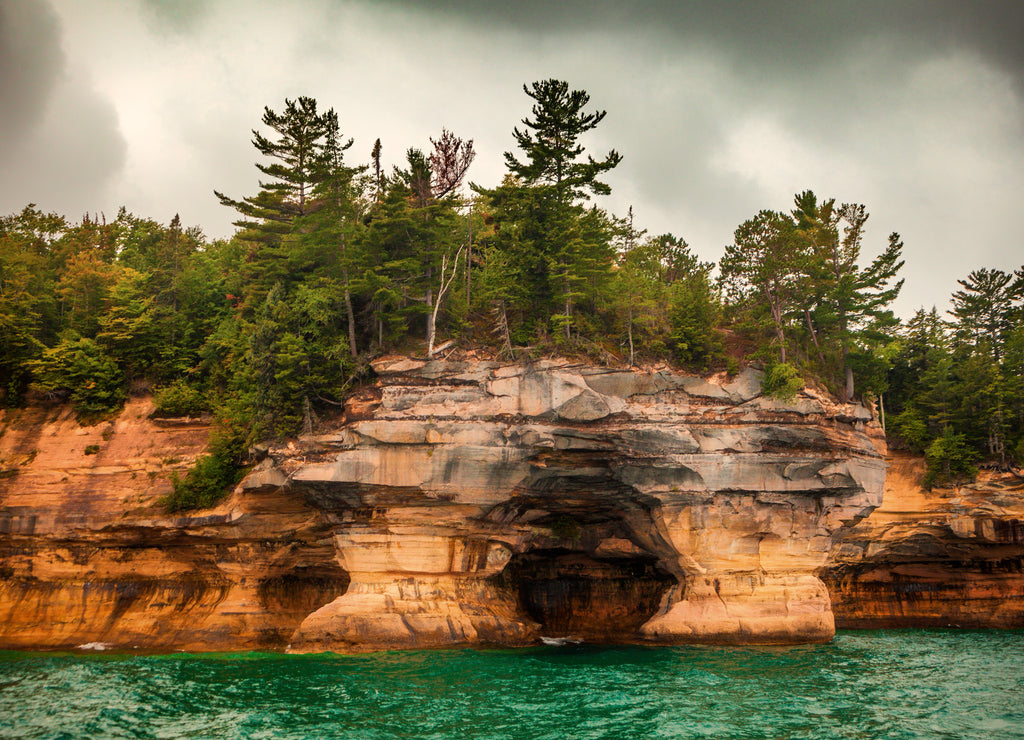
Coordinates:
<point>458,503</point>
<point>488,503</point>
<point>941,558</point>
<point>87,556</point>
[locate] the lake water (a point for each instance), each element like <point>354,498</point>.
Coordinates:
<point>888,684</point>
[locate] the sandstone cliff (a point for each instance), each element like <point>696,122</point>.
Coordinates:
<point>941,558</point>
<point>458,503</point>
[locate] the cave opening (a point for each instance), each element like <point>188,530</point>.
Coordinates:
<point>292,595</point>
<point>575,594</point>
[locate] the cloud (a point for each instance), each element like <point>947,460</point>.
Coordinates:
<point>59,139</point>
<point>176,16</point>
<point>31,64</point>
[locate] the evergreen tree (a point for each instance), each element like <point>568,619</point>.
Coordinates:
<point>762,268</point>
<point>28,311</point>
<point>561,249</point>
<point>550,143</point>
<point>79,370</point>
<point>296,156</point>
<point>852,312</point>
<point>333,232</point>
<point>984,308</point>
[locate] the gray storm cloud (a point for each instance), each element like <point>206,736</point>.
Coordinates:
<point>31,63</point>
<point>59,139</point>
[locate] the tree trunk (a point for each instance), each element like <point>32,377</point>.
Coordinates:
<point>441,290</point>
<point>350,314</point>
<point>469,257</point>
<point>568,319</point>
<point>775,305</point>
<point>630,332</point>
<point>429,300</point>
<point>814,335</point>
<point>502,327</point>
<point>848,389</point>
<point>351,319</point>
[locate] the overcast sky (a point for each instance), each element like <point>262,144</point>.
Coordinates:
<point>720,109</point>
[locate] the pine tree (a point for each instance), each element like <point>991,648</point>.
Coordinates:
<point>296,156</point>
<point>561,244</point>
<point>984,308</point>
<point>852,303</point>
<point>334,229</point>
<point>551,143</point>
<point>762,267</point>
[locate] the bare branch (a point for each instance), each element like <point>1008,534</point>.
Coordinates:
<point>449,162</point>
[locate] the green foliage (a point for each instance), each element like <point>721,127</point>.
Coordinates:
<point>559,252</point>
<point>92,449</point>
<point>127,329</point>
<point>27,307</point>
<point>331,266</point>
<point>203,486</point>
<point>782,380</point>
<point>983,308</point>
<point>550,142</point>
<point>761,273</point>
<point>909,426</point>
<point>795,282</point>
<point>950,460</point>
<point>295,355</point>
<point>79,369</point>
<point>964,378</point>
<point>180,399</point>
<point>214,474</point>
<point>695,313</point>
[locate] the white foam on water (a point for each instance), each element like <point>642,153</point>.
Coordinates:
<point>95,646</point>
<point>559,641</point>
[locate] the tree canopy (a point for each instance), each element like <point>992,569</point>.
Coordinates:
<point>337,260</point>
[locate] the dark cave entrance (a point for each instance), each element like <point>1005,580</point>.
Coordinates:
<point>572,593</point>
<point>293,595</point>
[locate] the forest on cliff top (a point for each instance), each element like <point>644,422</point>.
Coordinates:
<point>336,261</point>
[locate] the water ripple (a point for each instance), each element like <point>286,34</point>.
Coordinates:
<point>867,685</point>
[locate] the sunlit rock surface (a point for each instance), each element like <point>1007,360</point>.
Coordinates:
<point>456,503</point>
<point>940,558</point>
<point>496,503</point>
<point>88,556</point>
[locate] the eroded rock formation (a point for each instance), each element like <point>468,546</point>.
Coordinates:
<point>458,503</point>
<point>87,555</point>
<point>940,558</point>
<point>489,503</point>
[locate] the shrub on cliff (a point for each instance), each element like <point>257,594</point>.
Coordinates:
<point>214,474</point>
<point>911,427</point>
<point>203,486</point>
<point>781,380</point>
<point>950,460</point>
<point>78,369</point>
<point>180,399</point>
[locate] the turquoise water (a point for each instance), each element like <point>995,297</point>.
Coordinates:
<point>897,684</point>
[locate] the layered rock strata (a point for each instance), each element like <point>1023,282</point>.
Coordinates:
<point>940,558</point>
<point>495,503</point>
<point>87,555</point>
<point>457,503</point>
